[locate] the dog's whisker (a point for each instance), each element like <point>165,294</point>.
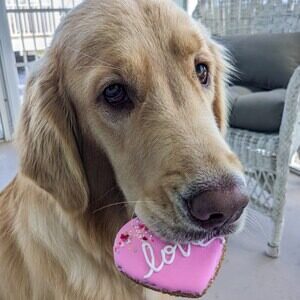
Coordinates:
<point>110,205</point>
<point>253,220</point>
<point>250,234</point>
<point>89,67</point>
<point>103,63</point>
<point>107,192</point>
<point>254,223</point>
<point>133,212</point>
<point>251,223</point>
<point>119,203</point>
<point>154,223</point>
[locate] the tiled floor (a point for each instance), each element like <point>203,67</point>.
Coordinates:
<point>247,274</point>
<point>8,163</point>
<point>1,129</point>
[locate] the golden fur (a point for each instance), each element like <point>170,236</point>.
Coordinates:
<point>81,162</point>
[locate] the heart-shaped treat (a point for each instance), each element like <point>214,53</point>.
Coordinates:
<point>177,269</point>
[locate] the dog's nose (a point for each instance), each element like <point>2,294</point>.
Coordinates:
<point>212,209</point>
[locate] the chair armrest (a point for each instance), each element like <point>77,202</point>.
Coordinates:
<point>289,130</point>
<point>286,136</point>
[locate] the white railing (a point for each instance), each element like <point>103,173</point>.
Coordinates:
<point>33,22</point>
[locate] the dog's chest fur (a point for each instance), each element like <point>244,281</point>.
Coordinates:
<point>43,255</point>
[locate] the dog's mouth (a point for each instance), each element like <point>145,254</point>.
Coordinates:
<point>186,232</point>
<point>184,235</point>
<point>182,229</point>
<point>178,223</point>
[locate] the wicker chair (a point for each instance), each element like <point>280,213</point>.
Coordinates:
<point>265,157</point>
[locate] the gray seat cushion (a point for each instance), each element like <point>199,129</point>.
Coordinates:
<point>266,61</point>
<point>235,91</point>
<point>257,111</point>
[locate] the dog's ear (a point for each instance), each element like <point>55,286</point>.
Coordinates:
<point>219,105</point>
<point>223,71</point>
<point>47,138</point>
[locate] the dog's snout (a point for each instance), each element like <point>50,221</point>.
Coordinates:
<point>214,208</point>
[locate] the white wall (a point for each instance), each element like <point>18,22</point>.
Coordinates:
<point>191,4</point>
<point>9,94</point>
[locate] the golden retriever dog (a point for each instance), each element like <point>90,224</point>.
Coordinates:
<point>124,116</point>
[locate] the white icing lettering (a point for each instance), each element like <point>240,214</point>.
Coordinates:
<point>168,254</point>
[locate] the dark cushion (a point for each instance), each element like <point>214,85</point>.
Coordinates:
<point>266,61</point>
<point>257,111</point>
<point>237,90</point>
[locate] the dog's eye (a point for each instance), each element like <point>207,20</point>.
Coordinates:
<point>202,73</point>
<point>115,94</point>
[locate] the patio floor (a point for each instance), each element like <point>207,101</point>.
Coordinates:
<point>247,274</point>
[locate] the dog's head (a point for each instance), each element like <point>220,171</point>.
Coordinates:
<point>146,84</point>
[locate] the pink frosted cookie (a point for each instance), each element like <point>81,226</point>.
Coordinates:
<point>181,270</point>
